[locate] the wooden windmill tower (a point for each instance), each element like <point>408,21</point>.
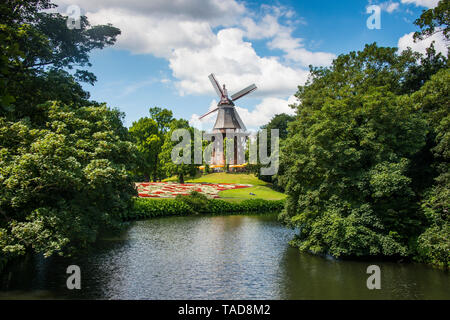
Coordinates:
<point>227,117</point>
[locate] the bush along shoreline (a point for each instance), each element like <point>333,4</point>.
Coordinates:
<point>196,203</point>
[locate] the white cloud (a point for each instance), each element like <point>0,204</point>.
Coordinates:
<point>390,6</point>
<point>214,11</point>
<point>421,45</point>
<point>236,64</point>
<point>198,37</point>
<point>281,35</point>
<point>422,3</point>
<point>182,32</point>
<point>147,35</point>
<point>265,111</point>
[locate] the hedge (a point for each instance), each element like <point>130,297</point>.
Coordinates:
<point>150,208</point>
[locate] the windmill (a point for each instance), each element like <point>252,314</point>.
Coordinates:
<point>227,117</point>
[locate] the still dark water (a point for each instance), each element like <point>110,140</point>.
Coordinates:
<point>229,257</point>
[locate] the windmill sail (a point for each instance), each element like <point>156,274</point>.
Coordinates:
<point>209,113</point>
<point>216,85</point>
<point>243,92</point>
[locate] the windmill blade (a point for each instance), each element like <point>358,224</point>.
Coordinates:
<point>243,92</point>
<point>216,85</point>
<point>208,113</point>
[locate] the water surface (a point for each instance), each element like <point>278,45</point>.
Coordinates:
<point>228,257</point>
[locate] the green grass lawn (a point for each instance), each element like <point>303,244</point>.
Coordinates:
<point>261,189</point>
<point>222,177</point>
<point>261,192</point>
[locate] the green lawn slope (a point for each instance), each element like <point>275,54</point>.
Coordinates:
<point>260,189</point>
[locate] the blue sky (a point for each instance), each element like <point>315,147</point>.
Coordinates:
<point>167,49</point>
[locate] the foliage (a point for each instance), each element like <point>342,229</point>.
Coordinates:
<point>151,208</point>
<point>348,157</point>
<point>63,164</point>
<point>144,133</point>
<point>149,135</point>
<point>196,200</point>
<point>37,50</point>
<point>434,101</point>
<point>434,20</point>
<point>166,163</point>
<point>62,183</point>
<point>186,205</point>
<point>280,122</point>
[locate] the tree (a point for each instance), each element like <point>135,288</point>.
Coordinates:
<point>145,135</point>
<point>163,118</point>
<point>40,49</point>
<point>433,100</point>
<point>149,135</point>
<point>348,155</point>
<point>63,163</point>
<point>280,122</point>
<point>62,183</point>
<point>166,163</point>
<point>434,20</point>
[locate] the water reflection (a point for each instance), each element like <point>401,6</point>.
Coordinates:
<point>230,257</point>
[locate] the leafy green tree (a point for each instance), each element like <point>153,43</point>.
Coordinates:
<point>348,155</point>
<point>62,183</point>
<point>280,122</point>
<point>433,100</point>
<point>149,135</point>
<point>145,135</point>
<point>40,50</point>
<point>63,164</point>
<point>163,118</point>
<point>166,163</point>
<point>434,20</point>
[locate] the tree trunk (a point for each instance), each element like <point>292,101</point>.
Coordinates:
<point>181,178</point>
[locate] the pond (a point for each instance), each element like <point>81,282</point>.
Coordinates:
<point>214,257</point>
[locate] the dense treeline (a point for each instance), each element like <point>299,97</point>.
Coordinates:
<point>64,160</point>
<point>366,162</point>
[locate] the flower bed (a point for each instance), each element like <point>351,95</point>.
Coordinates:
<point>173,189</point>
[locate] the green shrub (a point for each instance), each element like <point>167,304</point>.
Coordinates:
<point>152,208</point>
<point>187,205</point>
<point>196,200</point>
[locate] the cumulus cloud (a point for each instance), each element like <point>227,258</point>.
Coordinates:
<point>422,3</point>
<point>198,37</point>
<point>390,6</point>
<point>407,41</point>
<point>236,64</point>
<point>213,11</point>
<point>159,37</point>
<point>281,38</point>
<point>265,111</point>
